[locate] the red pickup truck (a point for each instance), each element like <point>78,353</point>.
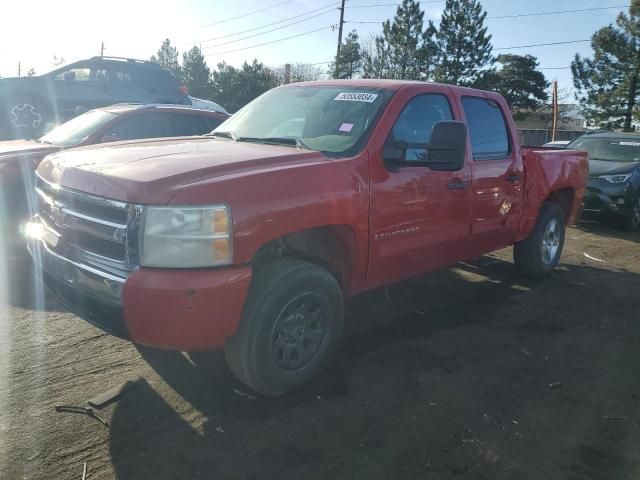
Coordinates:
<point>250,238</point>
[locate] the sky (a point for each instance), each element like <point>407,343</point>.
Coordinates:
<point>75,29</point>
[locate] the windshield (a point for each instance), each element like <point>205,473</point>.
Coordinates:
<point>609,149</point>
<point>77,129</point>
<point>329,119</point>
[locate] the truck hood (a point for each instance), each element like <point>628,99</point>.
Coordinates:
<point>12,149</point>
<point>603,167</point>
<point>153,171</point>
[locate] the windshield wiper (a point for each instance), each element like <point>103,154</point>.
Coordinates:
<point>287,141</point>
<point>44,141</point>
<point>228,134</point>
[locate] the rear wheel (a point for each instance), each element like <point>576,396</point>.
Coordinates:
<point>290,327</point>
<point>539,253</point>
<point>632,221</point>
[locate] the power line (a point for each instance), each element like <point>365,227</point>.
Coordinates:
<point>268,31</point>
<point>533,14</point>
<point>247,14</point>
<point>269,24</point>
<point>389,4</point>
<point>558,12</point>
<point>273,41</point>
<point>542,44</point>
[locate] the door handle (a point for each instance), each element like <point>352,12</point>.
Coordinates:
<point>513,178</point>
<point>458,184</point>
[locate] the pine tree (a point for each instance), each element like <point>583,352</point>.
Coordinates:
<point>167,57</point>
<point>235,87</point>
<point>349,63</point>
<point>462,45</point>
<point>403,50</point>
<point>609,83</point>
<point>518,81</point>
<point>196,73</point>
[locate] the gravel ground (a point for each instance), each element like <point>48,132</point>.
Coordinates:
<point>445,376</point>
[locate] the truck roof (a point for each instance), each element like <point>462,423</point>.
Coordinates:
<point>386,84</point>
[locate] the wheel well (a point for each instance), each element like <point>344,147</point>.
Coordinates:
<point>563,197</point>
<point>331,247</point>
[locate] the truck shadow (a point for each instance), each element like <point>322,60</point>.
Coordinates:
<point>225,431</point>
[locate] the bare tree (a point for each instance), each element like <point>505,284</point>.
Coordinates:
<point>300,72</point>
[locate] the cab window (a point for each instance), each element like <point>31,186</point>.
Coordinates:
<point>416,121</point>
<point>151,125</point>
<point>487,128</point>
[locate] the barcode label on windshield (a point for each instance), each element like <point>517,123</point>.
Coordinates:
<point>357,97</point>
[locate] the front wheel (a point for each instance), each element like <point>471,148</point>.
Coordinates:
<point>632,221</point>
<point>538,254</point>
<point>290,327</point>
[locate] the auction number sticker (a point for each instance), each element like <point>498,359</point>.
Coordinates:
<point>356,97</point>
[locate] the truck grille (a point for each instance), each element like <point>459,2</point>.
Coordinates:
<point>92,230</point>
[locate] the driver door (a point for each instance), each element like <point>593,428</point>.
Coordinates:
<point>419,217</point>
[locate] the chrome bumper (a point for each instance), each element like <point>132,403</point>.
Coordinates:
<point>88,292</point>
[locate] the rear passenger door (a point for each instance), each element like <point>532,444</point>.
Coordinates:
<point>497,174</point>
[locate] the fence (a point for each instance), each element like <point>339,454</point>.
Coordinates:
<point>540,136</point>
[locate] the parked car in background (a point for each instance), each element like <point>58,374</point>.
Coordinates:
<point>19,158</point>
<point>207,105</point>
<point>614,175</point>
<point>249,239</point>
<point>28,104</point>
<point>557,144</point>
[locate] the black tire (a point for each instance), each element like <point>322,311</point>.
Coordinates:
<point>538,254</point>
<point>632,221</point>
<point>260,353</point>
<point>26,117</point>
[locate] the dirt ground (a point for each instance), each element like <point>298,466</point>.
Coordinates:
<point>446,376</point>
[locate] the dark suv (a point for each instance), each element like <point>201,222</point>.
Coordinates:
<point>614,175</point>
<point>27,104</point>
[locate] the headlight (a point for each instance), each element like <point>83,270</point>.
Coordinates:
<point>186,237</point>
<point>616,178</point>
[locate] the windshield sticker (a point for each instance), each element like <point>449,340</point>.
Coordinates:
<point>357,97</point>
<point>346,127</point>
<point>632,144</point>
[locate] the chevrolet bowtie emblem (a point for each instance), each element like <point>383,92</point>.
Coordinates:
<point>505,207</point>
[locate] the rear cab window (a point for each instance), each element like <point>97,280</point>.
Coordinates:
<point>487,128</point>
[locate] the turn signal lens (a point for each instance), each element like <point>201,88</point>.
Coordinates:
<point>220,222</point>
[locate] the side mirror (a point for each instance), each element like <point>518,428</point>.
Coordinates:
<point>445,152</point>
<point>394,153</point>
<point>447,147</point>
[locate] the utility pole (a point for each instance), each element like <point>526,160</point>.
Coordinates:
<point>554,107</point>
<point>337,72</point>
<point>287,73</point>
<point>102,49</point>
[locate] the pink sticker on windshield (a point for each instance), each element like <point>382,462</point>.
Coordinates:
<point>345,127</point>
